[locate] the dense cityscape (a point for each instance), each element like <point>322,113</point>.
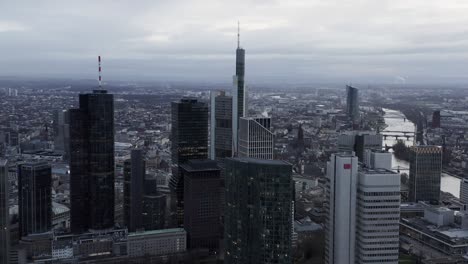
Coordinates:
<point>236,171</point>
<point>153,173</point>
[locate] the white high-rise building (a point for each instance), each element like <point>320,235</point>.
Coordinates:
<point>340,222</point>
<point>255,138</point>
<point>378,159</point>
<point>363,212</point>
<point>378,216</point>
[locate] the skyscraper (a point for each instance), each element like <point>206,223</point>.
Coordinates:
<point>255,138</point>
<point>154,206</point>
<point>34,198</point>
<point>221,126</point>
<point>189,140</point>
<point>363,213</point>
<point>4,213</point>
<point>202,210</point>
<point>258,211</point>
<point>424,174</point>
<point>92,162</point>
<point>340,221</point>
<point>464,191</point>
<point>378,216</point>
<point>134,180</point>
<point>352,102</point>
<point>62,133</point>
<point>239,95</point>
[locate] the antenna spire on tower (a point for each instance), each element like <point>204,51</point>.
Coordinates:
<point>238,34</point>
<point>99,63</point>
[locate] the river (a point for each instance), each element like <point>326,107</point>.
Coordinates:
<point>396,121</point>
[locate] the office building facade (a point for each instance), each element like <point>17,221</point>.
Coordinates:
<point>154,206</point>
<point>4,213</point>
<point>256,139</point>
<point>464,191</point>
<point>202,212</point>
<point>378,159</point>
<point>352,103</point>
<point>340,219</point>
<point>362,212</point>
<point>157,242</point>
<point>134,180</point>
<point>220,125</point>
<point>424,174</point>
<point>258,222</point>
<point>62,133</point>
<point>92,162</point>
<point>34,198</point>
<point>189,140</point>
<point>378,216</point>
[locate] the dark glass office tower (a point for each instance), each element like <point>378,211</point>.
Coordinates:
<point>34,198</point>
<point>221,126</point>
<point>189,138</point>
<point>154,206</point>
<point>352,102</point>
<point>134,180</point>
<point>240,72</point>
<point>202,210</point>
<point>4,213</point>
<point>62,133</point>
<point>92,162</point>
<point>424,174</point>
<point>258,222</point>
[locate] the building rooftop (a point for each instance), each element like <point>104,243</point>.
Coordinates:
<point>156,232</point>
<point>446,234</point>
<point>376,171</point>
<point>200,165</point>
<point>260,161</point>
<point>346,154</point>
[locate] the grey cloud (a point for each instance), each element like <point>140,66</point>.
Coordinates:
<point>195,40</point>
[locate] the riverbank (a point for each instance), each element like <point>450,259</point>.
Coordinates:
<point>450,181</point>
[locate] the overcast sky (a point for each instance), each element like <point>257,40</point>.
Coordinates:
<point>304,40</point>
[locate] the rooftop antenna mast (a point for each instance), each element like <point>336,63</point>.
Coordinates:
<point>99,62</point>
<point>238,34</point>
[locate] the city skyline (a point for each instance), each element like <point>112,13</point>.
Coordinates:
<point>394,42</point>
<point>264,163</point>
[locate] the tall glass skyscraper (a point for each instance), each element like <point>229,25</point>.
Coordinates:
<point>134,180</point>
<point>239,95</point>
<point>221,125</point>
<point>34,198</point>
<point>424,174</point>
<point>240,84</point>
<point>4,213</point>
<point>258,222</point>
<point>352,102</point>
<point>154,206</point>
<point>189,140</point>
<point>92,162</point>
<point>202,210</point>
